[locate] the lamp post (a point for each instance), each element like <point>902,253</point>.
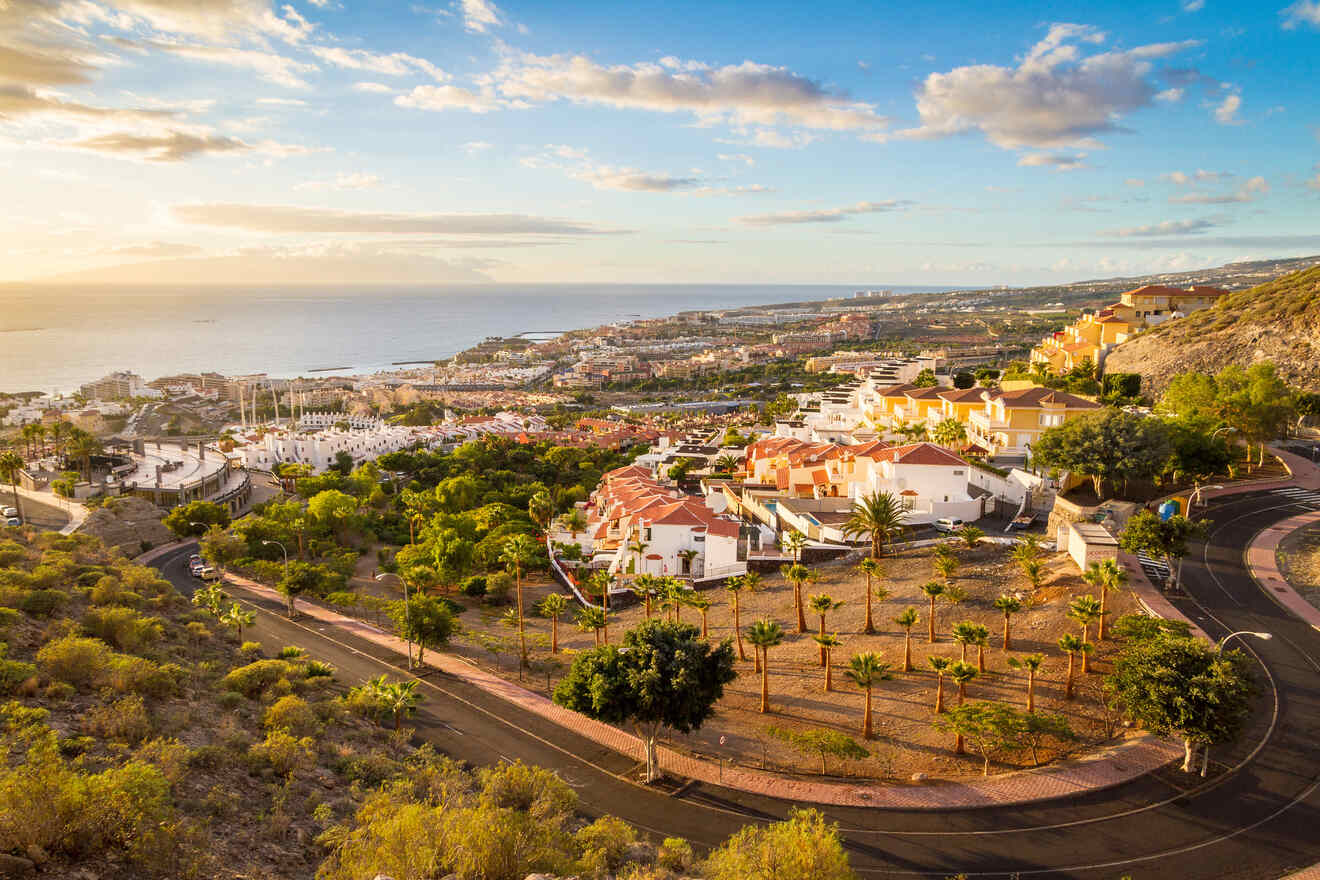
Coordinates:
<point>283,550</point>
<point>1195,498</point>
<point>407,611</point>
<point>1263,636</point>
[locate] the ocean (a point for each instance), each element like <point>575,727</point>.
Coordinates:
<point>54,338</point>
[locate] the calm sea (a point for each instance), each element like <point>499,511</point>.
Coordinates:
<point>54,338</point>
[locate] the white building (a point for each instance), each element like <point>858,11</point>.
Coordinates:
<point>932,482</point>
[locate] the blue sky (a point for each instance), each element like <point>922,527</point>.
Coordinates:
<point>322,140</point>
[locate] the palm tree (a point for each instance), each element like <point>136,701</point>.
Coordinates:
<point>597,585</point>
<point>238,618</point>
<point>822,604</point>
<point>871,568</point>
<point>964,633</point>
<point>518,551</point>
<point>1084,610</point>
<point>970,535</point>
<point>1009,605</point>
<point>734,586</point>
<point>702,604</point>
<point>399,698</point>
<point>59,432</point>
<point>595,621</point>
<point>39,437</point>
<point>1072,646</point>
<point>726,464</point>
<point>907,620</point>
<point>1032,664</point>
<point>687,556</point>
<point>1034,570</point>
<point>944,563</point>
<point>949,432</point>
<point>553,607</point>
<point>83,446</point>
<point>671,598</point>
<point>541,510</point>
<point>933,590</point>
<point>764,635</point>
<point>941,666</point>
<point>980,638</point>
<point>865,670</point>
<point>961,673</point>
<point>11,465</point>
<point>638,547</point>
<point>1113,577</point>
<point>646,587</point>
<point>880,516</point>
<point>574,521</point>
<point>794,542</point>
<point>797,574</point>
<point>827,642</point>
<point>1027,547</point>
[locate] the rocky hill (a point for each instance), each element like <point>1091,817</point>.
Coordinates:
<point>1277,321</point>
<point>129,524</point>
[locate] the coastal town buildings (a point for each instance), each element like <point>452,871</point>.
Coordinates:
<point>120,385</point>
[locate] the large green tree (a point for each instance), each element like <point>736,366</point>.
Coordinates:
<point>1109,446</point>
<point>195,517</point>
<point>665,676</point>
<point>877,517</point>
<point>1146,532</point>
<point>426,620</point>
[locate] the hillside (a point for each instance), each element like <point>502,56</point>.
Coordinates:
<point>1278,321</point>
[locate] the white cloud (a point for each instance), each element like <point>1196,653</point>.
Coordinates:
<point>291,219</point>
<point>18,100</point>
<point>1301,12</point>
<point>1246,193</point>
<point>1050,160</point>
<point>480,15</point>
<point>1056,97</point>
<point>373,88</point>
<point>474,147</point>
<point>1226,112</point>
<point>1170,96</point>
<point>747,94</point>
<point>1168,227</point>
<point>392,64</point>
<point>282,102</point>
<point>824,215</point>
<point>169,146</point>
<point>633,180</point>
<point>447,98</point>
<point>270,66</point>
<point>1193,5</point>
<point>1200,175</point>
<point>342,181</point>
<point>737,157</point>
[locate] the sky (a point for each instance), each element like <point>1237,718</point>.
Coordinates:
<point>230,141</point>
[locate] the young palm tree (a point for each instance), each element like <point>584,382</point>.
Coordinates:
<point>1072,646</point>
<point>595,621</point>
<point>878,516</point>
<point>866,670</point>
<point>83,446</point>
<point>827,642</point>
<point>907,620</point>
<point>646,587</point>
<point>1114,577</point>
<point>944,563</point>
<point>822,604</point>
<point>1034,571</point>
<point>726,464</point>
<point>541,510</point>
<point>238,618</point>
<point>553,607</point>
<point>980,638</point>
<point>961,673</point>
<point>702,604</point>
<point>39,437</point>
<point>933,590</point>
<point>400,698</point>
<point>10,466</point>
<point>941,666</point>
<point>687,556</point>
<point>1008,605</point>
<point>637,547</point>
<point>672,595</point>
<point>764,635</point>
<point>1027,547</point>
<point>1084,610</point>
<point>949,433</point>
<point>518,551</point>
<point>1032,664</point>
<point>797,574</point>
<point>964,633</point>
<point>970,535</point>
<point>734,586</point>
<point>574,521</point>
<point>872,569</point>
<point>794,542</point>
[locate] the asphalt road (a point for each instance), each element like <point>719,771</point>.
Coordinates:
<point>48,517</point>
<point>1256,817</point>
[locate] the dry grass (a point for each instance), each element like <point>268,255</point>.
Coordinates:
<point>1299,558</point>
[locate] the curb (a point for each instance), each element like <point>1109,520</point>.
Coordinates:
<point>1263,563</point>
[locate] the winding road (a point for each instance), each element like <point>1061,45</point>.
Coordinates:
<point>1257,815</point>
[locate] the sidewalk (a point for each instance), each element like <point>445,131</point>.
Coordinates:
<point>1152,598</point>
<point>77,513</point>
<point>1132,758</point>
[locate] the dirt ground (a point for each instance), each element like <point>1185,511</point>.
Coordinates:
<point>905,741</point>
<point>1299,558</point>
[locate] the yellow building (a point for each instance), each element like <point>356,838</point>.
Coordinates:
<point>1012,419</point>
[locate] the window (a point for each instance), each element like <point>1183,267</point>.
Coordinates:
<point>647,534</point>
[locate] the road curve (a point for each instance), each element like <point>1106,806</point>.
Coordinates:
<point>1254,819</point>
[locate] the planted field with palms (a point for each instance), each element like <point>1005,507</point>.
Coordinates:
<point>976,592</point>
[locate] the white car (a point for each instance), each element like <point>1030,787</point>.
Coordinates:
<point>948,524</point>
<point>9,512</point>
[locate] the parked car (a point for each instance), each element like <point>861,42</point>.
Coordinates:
<point>9,512</point>
<point>948,524</point>
<point>196,557</point>
<point>208,573</point>
<point>195,568</point>
<point>13,521</point>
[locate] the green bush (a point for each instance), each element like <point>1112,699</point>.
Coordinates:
<point>12,675</point>
<point>283,753</point>
<point>675,853</point>
<point>291,652</point>
<point>125,720</point>
<point>319,669</point>
<point>252,679</point>
<point>474,586</point>
<point>43,603</point>
<point>8,617</point>
<point>604,844</point>
<point>123,628</point>
<point>250,650</point>
<point>80,661</point>
<point>292,715</point>
<point>139,675</point>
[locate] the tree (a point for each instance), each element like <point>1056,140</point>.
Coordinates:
<point>1034,571</point>
<point>907,619</point>
<point>949,433</point>
<point>964,633</point>
<point>210,597</point>
<point>1108,446</point>
<point>541,510</point>
<point>980,638</point>
<point>82,446</point>
<point>646,587</point>
<point>726,464</point>
<point>1008,606</point>
<point>1181,686</point>
<point>195,517</point>
<point>399,699</point>
<point>933,590</point>
<point>702,605</point>
<point>1072,646</point>
<point>11,465</point>
<point>574,522</point>
<point>518,552</point>
<point>826,743</point>
<point>554,606</point>
<point>941,666</point>
<point>638,548</point>
<point>1032,664</point>
<point>735,586</point>
<point>1147,533</point>
<point>236,617</point>
<point>764,635</point>
<point>925,379</point>
<point>961,673</point>
<point>805,847</point>
<point>866,669</point>
<point>970,535</point>
<point>827,642</point>
<point>299,578</point>
<point>872,569</point>
<point>687,556</point>
<point>594,620</point>
<point>944,563</point>
<point>1036,728</point>
<point>664,677</point>
<point>821,605</point>
<point>794,542</point>
<point>332,507</point>
<point>990,727</point>
<point>1256,402</point>
<point>878,516</point>
<point>797,574</point>
<point>425,620</point>
<point>1085,610</point>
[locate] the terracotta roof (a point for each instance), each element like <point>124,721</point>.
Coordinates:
<point>1037,395</point>
<point>1157,290</point>
<point>960,395</point>
<point>927,393</point>
<point>909,492</point>
<point>724,528</point>
<point>895,390</point>
<point>922,453</point>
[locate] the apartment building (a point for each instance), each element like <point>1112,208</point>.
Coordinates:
<point>1011,420</point>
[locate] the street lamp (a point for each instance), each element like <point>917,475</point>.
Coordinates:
<point>1263,636</point>
<point>407,611</point>
<point>1195,499</point>
<point>282,550</point>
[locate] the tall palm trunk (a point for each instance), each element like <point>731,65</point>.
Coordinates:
<point>1104,598</point>
<point>797,600</point>
<point>939,692</point>
<point>1068,687</point>
<point>959,746</point>
<point>765,681</point>
<point>980,658</point>
<point>737,630</point>
<point>1086,666</point>
<point>829,669</point>
<point>869,626</point>
<point>930,620</point>
<point>1006,635</point>
<point>1031,691</point>
<point>866,716</point>
<point>522,634</point>
<point>824,654</point>
<point>907,650</point>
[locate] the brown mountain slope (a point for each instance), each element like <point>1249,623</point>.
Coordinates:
<point>1277,321</point>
